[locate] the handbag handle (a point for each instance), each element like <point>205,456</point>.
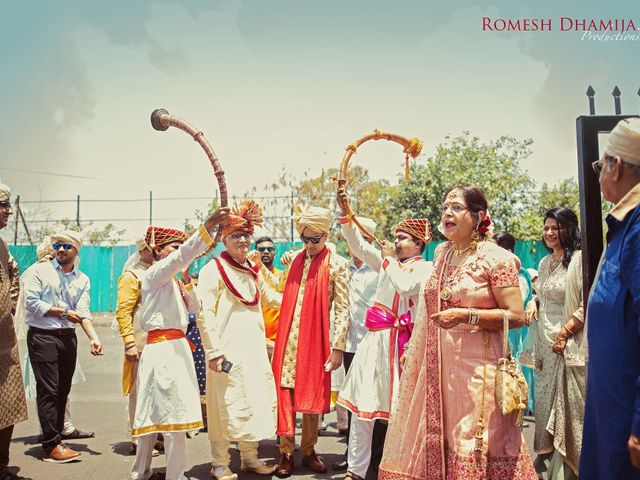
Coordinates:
<point>506,351</point>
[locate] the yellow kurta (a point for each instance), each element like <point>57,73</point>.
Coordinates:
<point>128,318</point>
<point>338,301</point>
<point>241,405</point>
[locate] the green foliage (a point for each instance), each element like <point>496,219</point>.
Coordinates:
<point>494,166</point>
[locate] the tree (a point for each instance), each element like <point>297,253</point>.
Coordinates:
<point>565,194</point>
<point>494,166</point>
<point>371,198</point>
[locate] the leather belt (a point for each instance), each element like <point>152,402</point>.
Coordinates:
<point>54,331</point>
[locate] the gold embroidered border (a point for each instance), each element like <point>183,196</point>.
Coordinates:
<point>166,428</point>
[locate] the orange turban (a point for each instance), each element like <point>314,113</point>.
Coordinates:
<point>243,217</point>
<point>159,236</point>
<point>419,228</point>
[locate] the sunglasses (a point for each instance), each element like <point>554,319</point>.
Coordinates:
<point>5,205</point>
<point>66,246</point>
<point>314,240</point>
<point>266,249</point>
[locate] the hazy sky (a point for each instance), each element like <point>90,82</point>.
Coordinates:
<point>275,84</point>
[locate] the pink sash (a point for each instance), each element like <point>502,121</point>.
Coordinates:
<point>380,319</point>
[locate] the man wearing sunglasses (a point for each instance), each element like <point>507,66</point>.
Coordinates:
<point>241,397</point>
<point>56,299</point>
<point>611,441</point>
<point>371,385</point>
<point>267,251</point>
<point>13,407</point>
<point>315,282</point>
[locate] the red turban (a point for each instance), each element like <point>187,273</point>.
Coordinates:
<point>419,228</point>
<point>243,217</point>
<point>159,236</point>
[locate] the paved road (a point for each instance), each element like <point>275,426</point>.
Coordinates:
<point>98,406</point>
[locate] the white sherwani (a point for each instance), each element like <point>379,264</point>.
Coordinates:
<point>168,395</point>
<point>241,404</point>
<point>371,385</point>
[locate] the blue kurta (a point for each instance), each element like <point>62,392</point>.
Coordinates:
<point>613,370</point>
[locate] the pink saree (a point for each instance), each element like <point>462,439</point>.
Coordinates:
<point>431,434</point>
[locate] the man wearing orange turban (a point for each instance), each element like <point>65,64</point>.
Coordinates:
<point>241,401</point>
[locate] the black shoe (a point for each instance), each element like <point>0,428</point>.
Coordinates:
<point>340,466</point>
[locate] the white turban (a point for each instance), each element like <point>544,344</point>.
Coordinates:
<point>141,244</point>
<point>45,251</point>
<point>315,218</point>
<point>68,236</point>
<point>5,192</point>
<point>367,223</point>
<point>624,141</point>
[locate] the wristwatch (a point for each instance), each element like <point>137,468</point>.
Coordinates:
<point>65,315</point>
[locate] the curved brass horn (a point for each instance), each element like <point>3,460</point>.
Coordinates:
<point>412,148</point>
<point>161,120</point>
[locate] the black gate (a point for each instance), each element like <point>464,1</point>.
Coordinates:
<point>588,127</point>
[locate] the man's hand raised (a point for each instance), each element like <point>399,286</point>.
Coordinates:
<point>216,218</point>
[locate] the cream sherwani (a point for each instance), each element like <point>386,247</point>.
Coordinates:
<point>370,389</point>
<point>241,404</point>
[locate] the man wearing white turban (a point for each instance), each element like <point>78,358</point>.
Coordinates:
<point>128,319</point>
<point>57,298</point>
<point>611,438</point>
<point>13,407</point>
<point>303,358</point>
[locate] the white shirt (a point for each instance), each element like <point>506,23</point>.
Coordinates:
<point>362,290</point>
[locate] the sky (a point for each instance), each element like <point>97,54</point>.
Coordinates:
<point>281,84</point>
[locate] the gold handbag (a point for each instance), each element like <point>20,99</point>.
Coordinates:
<point>512,392</point>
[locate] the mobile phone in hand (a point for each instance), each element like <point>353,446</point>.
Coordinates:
<point>226,366</point>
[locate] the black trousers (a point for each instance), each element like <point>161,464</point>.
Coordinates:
<point>379,429</point>
<point>5,441</point>
<point>53,358</point>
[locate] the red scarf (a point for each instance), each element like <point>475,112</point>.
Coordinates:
<point>227,281</point>
<point>312,391</point>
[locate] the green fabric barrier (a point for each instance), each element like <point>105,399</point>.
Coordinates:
<point>103,265</point>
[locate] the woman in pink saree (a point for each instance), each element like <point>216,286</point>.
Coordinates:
<point>447,424</point>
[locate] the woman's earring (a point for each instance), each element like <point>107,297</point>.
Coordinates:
<point>475,237</point>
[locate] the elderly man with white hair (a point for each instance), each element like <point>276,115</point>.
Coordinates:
<point>611,438</point>
<point>13,408</point>
<point>57,298</point>
<point>303,357</point>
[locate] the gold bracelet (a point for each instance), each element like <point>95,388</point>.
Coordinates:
<point>568,330</point>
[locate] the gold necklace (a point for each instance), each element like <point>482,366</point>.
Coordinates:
<point>447,291</point>
<point>459,253</point>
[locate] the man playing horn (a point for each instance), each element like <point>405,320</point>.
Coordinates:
<point>303,357</point>
<point>168,395</point>
<point>241,396</point>
<point>371,385</point>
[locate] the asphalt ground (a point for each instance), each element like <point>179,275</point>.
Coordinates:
<point>98,406</point>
